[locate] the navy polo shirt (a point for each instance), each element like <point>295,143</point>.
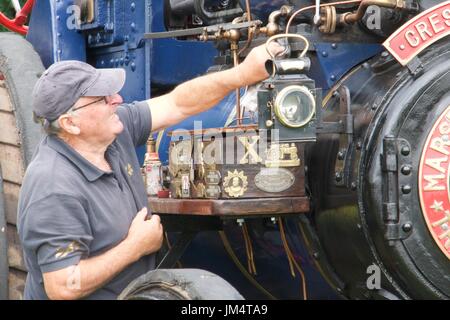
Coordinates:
<point>70,210</point>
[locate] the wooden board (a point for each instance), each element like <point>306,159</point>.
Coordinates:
<point>219,207</point>
<point>16,284</point>
<point>15,253</point>
<point>9,132</point>
<point>5,102</point>
<point>11,196</point>
<point>11,162</point>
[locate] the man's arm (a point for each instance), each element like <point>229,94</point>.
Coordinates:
<point>78,281</point>
<point>202,93</point>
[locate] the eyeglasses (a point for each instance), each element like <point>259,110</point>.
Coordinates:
<point>90,103</point>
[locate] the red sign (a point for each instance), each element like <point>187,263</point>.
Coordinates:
<point>434,182</point>
<point>419,33</point>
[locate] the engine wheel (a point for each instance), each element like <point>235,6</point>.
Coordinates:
<point>20,68</point>
<point>179,284</point>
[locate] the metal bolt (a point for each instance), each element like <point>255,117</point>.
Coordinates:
<point>358,145</point>
<point>338,176</point>
<point>274,220</point>
<point>133,6</point>
<point>405,150</point>
<point>133,26</point>
<point>324,54</point>
<point>133,66</point>
<point>407,227</point>
<point>353,186</point>
<point>316,255</point>
<point>269,123</point>
<point>240,222</point>
<point>406,170</point>
<point>333,77</point>
<point>406,189</point>
<point>341,155</point>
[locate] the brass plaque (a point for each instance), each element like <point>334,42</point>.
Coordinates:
<point>282,155</point>
<point>212,177</point>
<point>235,183</point>
<point>274,179</point>
<point>212,191</point>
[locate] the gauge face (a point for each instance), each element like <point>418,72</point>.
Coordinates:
<point>295,106</point>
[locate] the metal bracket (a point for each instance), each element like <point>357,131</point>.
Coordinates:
<point>397,188</point>
<point>344,127</point>
<point>415,67</point>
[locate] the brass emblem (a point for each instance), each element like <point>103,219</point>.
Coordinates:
<point>129,170</point>
<point>282,155</point>
<point>212,191</point>
<point>235,183</point>
<point>250,156</point>
<point>63,252</point>
<point>274,179</point>
<point>212,177</point>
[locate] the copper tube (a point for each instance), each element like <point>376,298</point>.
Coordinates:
<point>356,16</point>
<point>234,50</point>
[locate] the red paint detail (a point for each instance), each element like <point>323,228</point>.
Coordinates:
<point>429,198</point>
<point>419,33</point>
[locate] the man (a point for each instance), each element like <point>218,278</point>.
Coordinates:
<point>82,213</point>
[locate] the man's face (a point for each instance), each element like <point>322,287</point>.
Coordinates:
<point>99,120</point>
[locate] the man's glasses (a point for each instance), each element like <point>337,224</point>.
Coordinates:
<point>90,103</point>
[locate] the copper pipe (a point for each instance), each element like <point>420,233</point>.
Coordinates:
<point>234,50</point>
<point>356,16</point>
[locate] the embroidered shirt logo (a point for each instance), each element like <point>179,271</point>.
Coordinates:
<point>129,169</point>
<point>63,252</point>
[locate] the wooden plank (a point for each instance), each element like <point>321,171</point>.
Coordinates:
<point>241,207</point>
<point>5,102</point>
<point>9,132</point>
<point>16,284</point>
<point>15,253</point>
<point>11,196</point>
<point>11,162</point>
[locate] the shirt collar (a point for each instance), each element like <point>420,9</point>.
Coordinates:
<point>90,171</point>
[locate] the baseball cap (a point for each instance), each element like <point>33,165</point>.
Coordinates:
<point>63,83</point>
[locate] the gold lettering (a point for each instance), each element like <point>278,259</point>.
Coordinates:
<point>436,163</point>
<point>444,128</point>
<point>446,15</point>
<point>434,23</point>
<point>411,38</point>
<point>432,183</point>
<point>443,220</point>
<point>438,144</point>
<point>422,28</point>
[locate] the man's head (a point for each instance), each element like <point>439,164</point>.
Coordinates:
<point>79,99</point>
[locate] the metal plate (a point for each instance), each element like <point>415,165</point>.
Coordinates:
<point>274,179</point>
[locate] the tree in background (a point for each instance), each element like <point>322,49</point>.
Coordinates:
<point>7,9</point>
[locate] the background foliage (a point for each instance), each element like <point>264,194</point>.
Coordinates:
<point>7,8</point>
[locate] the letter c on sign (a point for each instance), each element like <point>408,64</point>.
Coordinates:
<point>411,38</point>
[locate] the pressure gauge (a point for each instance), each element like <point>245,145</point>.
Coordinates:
<point>295,106</point>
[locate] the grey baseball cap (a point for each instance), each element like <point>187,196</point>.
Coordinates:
<point>63,83</point>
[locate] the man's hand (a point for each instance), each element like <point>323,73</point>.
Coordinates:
<point>253,69</point>
<point>145,236</point>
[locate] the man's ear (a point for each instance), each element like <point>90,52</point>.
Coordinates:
<point>67,123</point>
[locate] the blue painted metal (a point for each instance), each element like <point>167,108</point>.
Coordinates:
<point>114,39</point>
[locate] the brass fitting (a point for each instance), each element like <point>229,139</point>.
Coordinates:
<point>348,18</point>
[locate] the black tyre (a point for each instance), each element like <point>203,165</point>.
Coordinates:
<point>20,67</point>
<point>180,284</point>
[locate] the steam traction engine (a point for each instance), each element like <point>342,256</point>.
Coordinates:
<point>329,179</point>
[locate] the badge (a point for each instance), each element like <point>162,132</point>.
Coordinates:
<point>235,183</point>
<point>434,182</point>
<point>274,179</point>
<point>282,155</point>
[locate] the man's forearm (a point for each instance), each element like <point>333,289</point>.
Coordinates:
<point>201,93</point>
<point>93,273</point>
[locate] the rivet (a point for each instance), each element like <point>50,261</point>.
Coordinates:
<point>133,66</point>
<point>333,77</point>
<point>269,123</point>
<point>338,176</point>
<point>316,255</point>
<point>133,6</point>
<point>406,170</point>
<point>334,45</point>
<point>405,150</point>
<point>359,145</point>
<point>324,54</point>
<point>407,227</point>
<point>341,155</point>
<point>406,189</point>
<point>353,186</point>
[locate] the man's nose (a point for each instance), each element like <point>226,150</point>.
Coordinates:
<point>115,99</point>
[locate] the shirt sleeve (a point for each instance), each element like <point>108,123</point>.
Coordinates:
<point>137,119</point>
<point>57,229</point>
